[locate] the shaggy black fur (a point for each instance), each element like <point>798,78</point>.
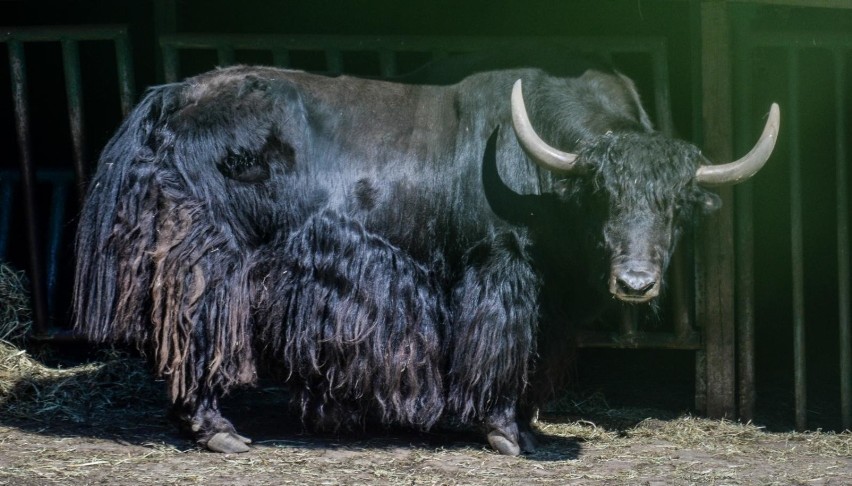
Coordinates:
<point>350,234</point>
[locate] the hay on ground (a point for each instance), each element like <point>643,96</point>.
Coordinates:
<point>87,393</point>
<point>15,310</point>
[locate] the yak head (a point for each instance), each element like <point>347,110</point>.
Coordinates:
<point>639,188</point>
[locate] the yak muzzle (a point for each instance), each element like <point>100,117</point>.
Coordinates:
<point>633,284</point>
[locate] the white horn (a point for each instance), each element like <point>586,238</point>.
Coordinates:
<point>740,170</point>
<point>538,150</point>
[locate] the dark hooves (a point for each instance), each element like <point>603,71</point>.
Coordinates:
<point>503,444</point>
<point>228,443</point>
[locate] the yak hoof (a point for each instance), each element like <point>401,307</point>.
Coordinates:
<point>503,444</point>
<point>228,443</point>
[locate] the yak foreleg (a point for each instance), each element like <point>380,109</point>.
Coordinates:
<point>205,423</point>
<point>495,310</point>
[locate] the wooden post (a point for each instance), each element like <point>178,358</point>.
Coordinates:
<point>715,235</point>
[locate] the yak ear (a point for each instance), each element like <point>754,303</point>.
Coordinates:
<point>710,202</point>
<point>504,202</point>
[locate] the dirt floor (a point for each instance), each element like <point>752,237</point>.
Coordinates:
<point>130,441</point>
<point>104,422</point>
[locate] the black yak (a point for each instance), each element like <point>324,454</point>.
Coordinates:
<point>351,234</point>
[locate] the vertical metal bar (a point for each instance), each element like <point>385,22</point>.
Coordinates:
<point>680,295</point>
<point>281,57</point>
<point>697,134</point>
<point>165,23</point>
<point>715,313</point>
<point>629,325</point>
<point>662,97</point>
<point>744,244</point>
<point>22,124</point>
<point>225,55</point>
<point>797,243</point>
<point>171,63</point>
<point>387,63</point>
<point>74,93</point>
<point>662,100</point>
<point>124,61</point>
<point>7,189</point>
<point>334,61</point>
<point>843,283</point>
<point>55,225</point>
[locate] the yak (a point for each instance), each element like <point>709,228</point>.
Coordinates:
<point>365,240</point>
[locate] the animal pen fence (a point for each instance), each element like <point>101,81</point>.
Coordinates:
<point>811,80</point>
<point>42,196</point>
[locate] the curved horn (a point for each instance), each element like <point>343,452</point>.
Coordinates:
<point>541,153</point>
<point>740,170</point>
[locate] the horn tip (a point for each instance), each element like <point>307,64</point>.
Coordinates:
<point>775,111</point>
<point>517,88</point>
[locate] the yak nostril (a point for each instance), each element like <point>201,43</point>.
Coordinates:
<point>636,283</point>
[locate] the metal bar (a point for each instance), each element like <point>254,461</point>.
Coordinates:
<point>7,190</point>
<point>797,243</point>
<point>53,34</point>
<point>744,243</point>
<point>334,61</point>
<point>744,285</point>
<point>803,39</point>
<point>281,57</point>
<point>438,54</point>
<point>839,4</point>
<point>387,63</point>
<point>679,302</point>
<point>165,22</point>
<point>640,340</point>
<point>715,313</point>
<point>629,325</point>
<point>55,226</point>
<point>225,55</point>
<point>171,62</point>
<point>695,52</point>
<point>124,60</point>
<point>17,63</point>
<point>662,97</point>
<point>74,93</point>
<point>405,43</point>
<point>682,318</point>
<point>843,270</point>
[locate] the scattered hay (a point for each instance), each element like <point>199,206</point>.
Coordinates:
<point>82,394</point>
<point>15,310</point>
<point>724,436</point>
<point>610,446</point>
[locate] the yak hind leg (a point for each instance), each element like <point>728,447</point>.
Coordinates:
<point>203,335</point>
<point>205,423</point>
<point>527,438</point>
<point>510,432</point>
<point>502,431</point>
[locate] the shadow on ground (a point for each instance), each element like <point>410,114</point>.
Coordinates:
<point>137,414</point>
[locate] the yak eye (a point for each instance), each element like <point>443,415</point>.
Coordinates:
<point>244,166</point>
